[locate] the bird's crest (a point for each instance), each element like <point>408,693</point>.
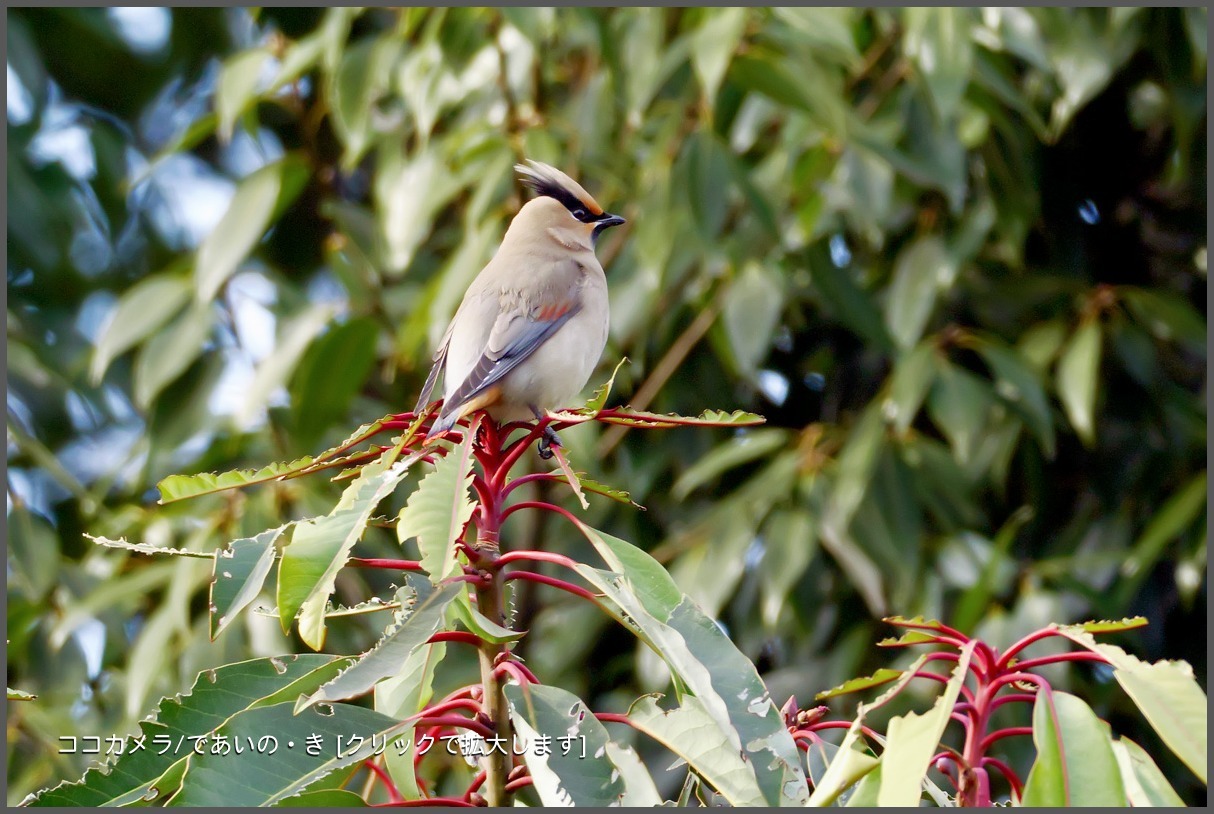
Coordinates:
<point>548,180</point>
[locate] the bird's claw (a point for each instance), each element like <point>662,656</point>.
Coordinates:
<point>548,440</point>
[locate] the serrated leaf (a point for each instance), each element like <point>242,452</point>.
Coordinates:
<point>239,573</point>
<point>1167,694</point>
<point>880,678</point>
<point>439,509</point>
<point>911,637</point>
<point>585,775</point>
<point>1077,378</point>
<point>483,626</point>
<point>319,548</point>
<point>640,418</point>
<point>912,739</point>
<point>598,400</point>
<point>1113,626</point>
<point>181,487</point>
<point>262,778</point>
<point>849,765</point>
<point>216,695</point>
<point>147,548</point>
<point>140,312</point>
<point>409,631</point>
<point>258,200</point>
<point>19,695</point>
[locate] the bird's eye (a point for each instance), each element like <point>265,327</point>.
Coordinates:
<point>579,213</point>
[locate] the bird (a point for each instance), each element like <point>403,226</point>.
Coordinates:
<point>533,324</point>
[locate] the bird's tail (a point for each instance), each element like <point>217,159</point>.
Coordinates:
<point>444,422</point>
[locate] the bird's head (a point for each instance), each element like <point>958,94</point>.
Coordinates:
<point>577,209</point>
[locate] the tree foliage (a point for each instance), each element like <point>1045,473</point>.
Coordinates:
<point>956,258</point>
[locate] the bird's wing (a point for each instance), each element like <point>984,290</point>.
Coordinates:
<point>439,362</point>
<point>515,336</point>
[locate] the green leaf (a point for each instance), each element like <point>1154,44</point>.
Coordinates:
<point>938,41</point>
<point>880,678</point>
<point>725,685</point>
<point>1167,694</point>
<point>1077,376</point>
<point>439,509</point>
<point>1175,516</point>
<point>908,385</point>
<point>294,338</point>
<point>1168,316</point>
<point>922,270</point>
<point>181,487</point>
<point>790,542</point>
<point>849,305</point>
<point>237,87</point>
<point>1017,384</point>
<point>640,418</point>
<point>259,199</point>
<point>323,798</point>
<point>265,773</point>
<point>912,739</point>
<point>1145,784</point>
<point>849,765</point>
<point>142,310</point>
<point>707,167</point>
<point>1075,763</point>
<point>483,626</point>
<point>18,695</point>
<point>319,548</point>
<point>751,313</point>
<point>332,371</point>
<point>170,352</point>
<point>764,75</point>
<point>959,404</point>
<point>738,450</point>
<point>584,776</point>
<point>240,571</point>
<point>404,695</point>
<point>1113,626</point>
<point>408,632</point>
<point>216,695</point>
<point>362,77</point>
<point>713,45</point>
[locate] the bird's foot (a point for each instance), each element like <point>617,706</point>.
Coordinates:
<point>547,441</point>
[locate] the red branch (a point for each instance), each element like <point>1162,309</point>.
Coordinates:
<point>554,582</point>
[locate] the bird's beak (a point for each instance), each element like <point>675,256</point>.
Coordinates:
<point>607,221</point>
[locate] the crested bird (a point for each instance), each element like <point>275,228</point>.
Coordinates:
<point>533,324</point>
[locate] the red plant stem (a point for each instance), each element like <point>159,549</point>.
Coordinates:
<point>456,721</point>
<point>394,794</point>
<point>519,783</point>
<point>1036,636</point>
<point>1008,773</point>
<point>539,504</point>
<point>958,638</point>
<point>512,668</point>
<point>428,801</point>
<point>514,452</point>
<point>476,783</point>
<point>836,725</point>
<point>462,636</point>
<point>522,670</point>
<point>1011,699</point>
<point>455,703</point>
<point>1082,655</point>
<point>554,582</point>
<point>613,718</point>
<point>395,565</point>
<point>1006,732</point>
<point>536,556</point>
<point>1012,678</point>
<point>525,479</point>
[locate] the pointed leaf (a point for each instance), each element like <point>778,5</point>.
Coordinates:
<point>1075,763</point>
<point>1145,784</point>
<point>141,311</point>
<point>439,509</point>
<point>239,81</point>
<point>586,774</point>
<point>170,352</point>
<point>908,385</point>
<point>912,739</point>
<point>1077,377</point>
<point>849,765</point>
<point>216,695</point>
<point>258,200</point>
<point>239,573</point>
<point>409,631</point>
<point>264,775</point>
<point>319,547</point>
<point>921,271</point>
<point>883,676</point>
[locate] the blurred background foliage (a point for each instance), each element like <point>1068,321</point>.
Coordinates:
<point>957,257</point>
